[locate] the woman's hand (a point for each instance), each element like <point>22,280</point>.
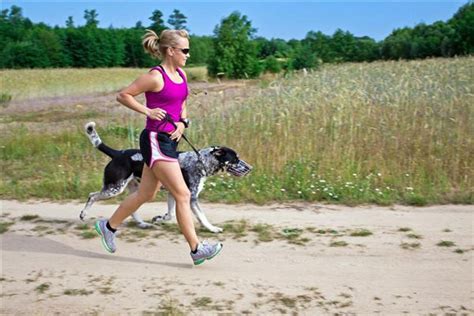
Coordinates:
<point>156,114</point>
<point>178,132</point>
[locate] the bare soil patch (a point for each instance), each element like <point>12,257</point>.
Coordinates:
<point>51,263</point>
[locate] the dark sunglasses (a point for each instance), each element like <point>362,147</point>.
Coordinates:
<point>183,50</point>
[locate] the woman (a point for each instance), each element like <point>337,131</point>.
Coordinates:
<point>165,88</point>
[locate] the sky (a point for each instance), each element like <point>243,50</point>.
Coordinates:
<point>272,19</point>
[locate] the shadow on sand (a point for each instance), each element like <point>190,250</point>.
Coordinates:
<point>14,242</point>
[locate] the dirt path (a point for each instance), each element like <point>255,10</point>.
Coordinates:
<point>295,261</point>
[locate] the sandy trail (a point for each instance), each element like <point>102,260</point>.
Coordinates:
<point>49,267</point>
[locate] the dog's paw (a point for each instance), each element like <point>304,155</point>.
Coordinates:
<point>82,216</point>
<point>161,218</point>
<point>215,229</point>
<point>144,225</point>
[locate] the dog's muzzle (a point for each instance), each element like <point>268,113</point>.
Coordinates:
<point>239,169</point>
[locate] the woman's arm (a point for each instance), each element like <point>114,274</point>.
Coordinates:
<point>152,81</point>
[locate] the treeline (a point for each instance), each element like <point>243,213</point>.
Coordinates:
<point>233,50</point>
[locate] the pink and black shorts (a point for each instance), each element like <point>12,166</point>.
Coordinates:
<point>157,146</point>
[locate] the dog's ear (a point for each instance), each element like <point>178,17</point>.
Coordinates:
<point>218,151</point>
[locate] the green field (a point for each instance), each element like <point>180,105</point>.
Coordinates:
<point>39,83</point>
<point>385,132</point>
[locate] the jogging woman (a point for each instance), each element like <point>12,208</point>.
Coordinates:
<point>165,87</point>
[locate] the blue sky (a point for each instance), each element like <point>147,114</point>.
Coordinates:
<point>272,19</point>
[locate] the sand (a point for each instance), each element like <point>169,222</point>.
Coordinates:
<point>50,266</point>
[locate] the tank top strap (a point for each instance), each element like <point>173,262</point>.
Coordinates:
<point>181,73</point>
<point>162,71</point>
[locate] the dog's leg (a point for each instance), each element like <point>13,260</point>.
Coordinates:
<point>132,188</point>
<point>93,197</point>
<point>195,207</point>
<point>168,215</point>
<point>105,194</point>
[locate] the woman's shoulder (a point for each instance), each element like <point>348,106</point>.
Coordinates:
<point>155,78</point>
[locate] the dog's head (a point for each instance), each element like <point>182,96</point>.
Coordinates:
<point>229,161</point>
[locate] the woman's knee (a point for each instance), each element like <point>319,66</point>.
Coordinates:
<point>182,195</point>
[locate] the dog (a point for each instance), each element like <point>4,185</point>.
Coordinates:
<point>125,171</point>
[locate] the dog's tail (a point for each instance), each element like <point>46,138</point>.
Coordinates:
<point>97,142</point>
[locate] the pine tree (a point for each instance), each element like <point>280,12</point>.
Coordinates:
<point>177,20</point>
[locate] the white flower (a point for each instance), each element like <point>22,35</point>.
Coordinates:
<point>282,190</point>
<point>299,192</point>
<point>409,188</point>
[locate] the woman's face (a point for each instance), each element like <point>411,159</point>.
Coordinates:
<point>181,52</point>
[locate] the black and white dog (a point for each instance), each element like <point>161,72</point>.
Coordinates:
<point>125,170</point>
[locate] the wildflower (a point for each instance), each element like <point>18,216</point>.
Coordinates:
<point>379,174</point>
<point>409,188</point>
<point>299,192</point>
<point>282,190</point>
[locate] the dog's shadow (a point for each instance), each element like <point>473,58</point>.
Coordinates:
<point>15,242</point>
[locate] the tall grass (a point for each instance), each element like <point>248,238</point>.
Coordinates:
<point>354,133</point>
<point>39,83</point>
<point>374,132</point>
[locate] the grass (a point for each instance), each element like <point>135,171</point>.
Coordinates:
<point>414,236</point>
<point>77,292</point>
<point>410,246</point>
<point>384,132</point>
<point>4,226</point>
<point>361,233</point>
<point>29,217</point>
<point>43,287</point>
<point>339,243</point>
<point>88,234</point>
<point>20,84</point>
<point>446,243</point>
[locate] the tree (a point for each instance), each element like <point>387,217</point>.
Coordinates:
<point>177,20</point>
<point>91,18</point>
<point>201,49</point>
<point>69,22</point>
<point>463,24</point>
<point>157,24</point>
<point>235,54</point>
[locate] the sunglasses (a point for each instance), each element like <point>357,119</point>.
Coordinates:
<point>183,50</point>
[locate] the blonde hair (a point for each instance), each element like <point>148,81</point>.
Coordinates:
<point>156,46</point>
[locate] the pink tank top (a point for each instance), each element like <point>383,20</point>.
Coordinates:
<point>170,99</point>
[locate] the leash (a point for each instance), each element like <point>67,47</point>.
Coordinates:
<point>168,119</point>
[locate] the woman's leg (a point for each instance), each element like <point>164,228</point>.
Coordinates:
<point>147,189</point>
<point>169,173</point>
